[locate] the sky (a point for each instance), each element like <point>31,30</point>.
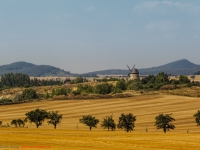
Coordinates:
<point>90,35</point>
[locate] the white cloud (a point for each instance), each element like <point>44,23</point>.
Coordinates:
<point>185,6</point>
<point>163,25</point>
<point>157,4</point>
<point>90,8</point>
<point>147,5</point>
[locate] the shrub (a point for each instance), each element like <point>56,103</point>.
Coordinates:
<point>85,88</point>
<point>168,87</point>
<point>60,91</point>
<point>103,88</point>
<point>106,80</point>
<point>121,84</point>
<point>173,81</point>
<point>47,95</point>
<point>77,80</point>
<point>157,86</point>
<point>183,79</point>
<point>29,94</point>
<point>162,78</point>
<point>117,90</point>
<point>134,86</point>
<point>76,92</point>
<point>6,100</point>
<point>18,98</point>
<point>193,84</point>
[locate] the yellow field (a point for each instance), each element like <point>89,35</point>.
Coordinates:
<point>96,140</point>
<point>72,135</point>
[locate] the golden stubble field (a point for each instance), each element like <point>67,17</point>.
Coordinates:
<point>72,135</point>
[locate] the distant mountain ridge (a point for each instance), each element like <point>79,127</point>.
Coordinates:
<point>178,67</point>
<point>32,70</point>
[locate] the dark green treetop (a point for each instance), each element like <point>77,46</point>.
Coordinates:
<point>89,121</point>
<point>126,121</point>
<point>108,123</point>
<point>54,117</point>
<point>164,122</point>
<point>37,116</point>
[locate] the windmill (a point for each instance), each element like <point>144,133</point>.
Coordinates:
<point>130,70</point>
<point>133,74</point>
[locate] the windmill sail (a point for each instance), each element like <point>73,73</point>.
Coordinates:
<point>128,67</point>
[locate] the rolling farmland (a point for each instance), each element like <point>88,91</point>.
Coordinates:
<point>73,135</point>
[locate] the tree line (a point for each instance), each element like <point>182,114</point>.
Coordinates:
<point>150,82</point>
<point>37,117</point>
<point>23,80</point>
<point>125,121</point>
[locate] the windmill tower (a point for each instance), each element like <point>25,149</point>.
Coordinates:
<point>133,74</point>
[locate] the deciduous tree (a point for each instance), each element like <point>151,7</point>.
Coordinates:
<point>126,121</point>
<point>37,116</point>
<point>197,117</point>
<point>54,117</point>
<point>164,122</point>
<point>89,121</point>
<point>29,94</point>
<point>108,123</point>
<point>14,122</point>
<point>183,79</point>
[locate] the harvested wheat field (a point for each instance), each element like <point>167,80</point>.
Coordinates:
<point>72,135</point>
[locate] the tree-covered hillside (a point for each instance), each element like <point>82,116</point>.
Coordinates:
<point>32,70</point>
<point>179,67</point>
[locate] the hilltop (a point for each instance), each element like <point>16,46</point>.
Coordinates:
<point>32,69</point>
<point>178,67</point>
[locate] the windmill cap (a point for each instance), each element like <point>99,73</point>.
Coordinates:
<point>134,71</point>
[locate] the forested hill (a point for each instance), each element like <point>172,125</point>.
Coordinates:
<point>179,67</point>
<point>32,70</point>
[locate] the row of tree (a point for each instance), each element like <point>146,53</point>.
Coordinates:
<point>37,117</point>
<point>126,121</point>
<point>23,80</point>
<point>148,82</point>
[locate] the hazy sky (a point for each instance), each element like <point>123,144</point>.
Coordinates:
<point>90,35</point>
